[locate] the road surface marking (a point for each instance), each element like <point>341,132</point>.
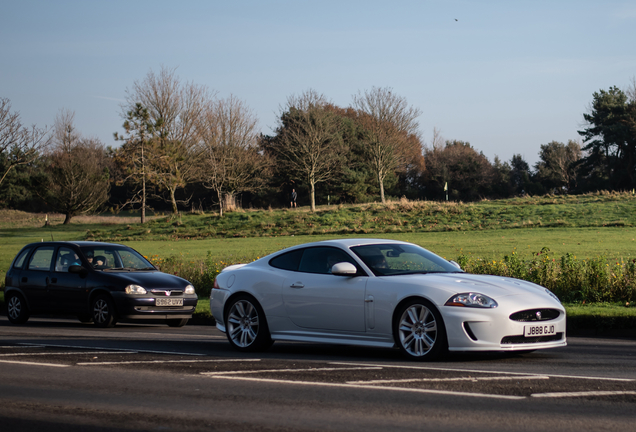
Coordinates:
<point>166,361</point>
<point>288,370</point>
<point>366,387</point>
<point>33,363</point>
<point>471,379</point>
<point>488,372</point>
<point>582,394</point>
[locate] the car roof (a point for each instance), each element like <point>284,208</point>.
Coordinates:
<point>350,242</point>
<point>75,243</point>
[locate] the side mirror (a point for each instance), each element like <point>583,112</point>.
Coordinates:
<point>344,269</point>
<point>78,269</point>
<point>455,264</point>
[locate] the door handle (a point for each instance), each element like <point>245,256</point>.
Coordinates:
<point>54,280</point>
<point>297,285</point>
<point>25,279</point>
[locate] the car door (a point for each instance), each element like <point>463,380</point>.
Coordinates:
<point>316,299</point>
<point>67,291</point>
<point>35,278</point>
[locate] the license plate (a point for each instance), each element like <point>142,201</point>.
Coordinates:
<point>169,302</point>
<point>539,330</point>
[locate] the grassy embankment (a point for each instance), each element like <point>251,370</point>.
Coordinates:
<point>587,227</point>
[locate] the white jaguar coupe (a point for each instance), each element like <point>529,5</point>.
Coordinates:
<point>381,293</point>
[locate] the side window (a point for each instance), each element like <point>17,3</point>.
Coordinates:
<point>19,261</point>
<point>66,257</point>
<point>41,259</point>
<point>104,258</point>
<point>321,259</point>
<point>287,261</point>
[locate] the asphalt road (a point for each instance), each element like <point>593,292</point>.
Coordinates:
<point>60,375</point>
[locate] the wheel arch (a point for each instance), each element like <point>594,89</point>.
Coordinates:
<point>408,299</point>
<point>14,290</point>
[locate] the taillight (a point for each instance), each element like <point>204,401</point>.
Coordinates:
<point>216,285</point>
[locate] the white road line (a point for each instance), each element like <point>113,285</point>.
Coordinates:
<point>122,350</point>
<point>487,372</point>
<point>166,361</point>
<point>33,363</point>
<point>63,353</point>
<point>368,387</point>
<point>471,379</point>
<point>286,370</point>
<point>583,394</point>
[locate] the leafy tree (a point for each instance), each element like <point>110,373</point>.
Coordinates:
<point>557,168</point>
<point>468,173</point>
<point>610,160</point>
<point>132,159</point>
<point>78,170</point>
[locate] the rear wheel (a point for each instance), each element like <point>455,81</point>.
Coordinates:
<point>17,310</point>
<point>103,311</point>
<point>419,330</point>
<point>246,326</point>
<point>177,322</point>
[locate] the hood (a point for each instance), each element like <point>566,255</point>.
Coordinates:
<point>492,286</point>
<point>147,279</point>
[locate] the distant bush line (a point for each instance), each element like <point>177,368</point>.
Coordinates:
<point>597,280</point>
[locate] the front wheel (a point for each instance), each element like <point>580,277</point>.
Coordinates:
<point>17,310</point>
<point>103,311</point>
<point>246,326</point>
<point>419,330</point>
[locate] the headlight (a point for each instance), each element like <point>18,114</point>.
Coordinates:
<point>189,289</point>
<point>471,300</point>
<point>135,289</point>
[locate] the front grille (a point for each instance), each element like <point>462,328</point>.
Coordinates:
<point>510,340</point>
<point>161,291</point>
<point>535,315</point>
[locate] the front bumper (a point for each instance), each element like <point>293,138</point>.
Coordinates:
<point>493,330</point>
<point>135,307</point>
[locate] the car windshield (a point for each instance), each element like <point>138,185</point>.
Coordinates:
<point>116,258</point>
<point>401,259</point>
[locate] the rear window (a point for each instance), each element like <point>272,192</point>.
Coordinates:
<point>19,261</point>
<point>287,261</point>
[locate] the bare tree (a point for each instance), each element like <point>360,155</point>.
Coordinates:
<point>78,170</point>
<point>631,90</point>
<point>19,145</point>
<point>230,161</point>
<point>308,143</point>
<point>389,123</point>
<point>387,107</point>
<point>174,108</point>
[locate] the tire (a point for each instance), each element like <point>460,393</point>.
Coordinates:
<point>103,312</point>
<point>17,310</point>
<point>246,326</point>
<point>419,331</point>
<point>177,322</point>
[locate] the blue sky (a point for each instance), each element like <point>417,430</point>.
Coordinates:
<point>506,76</point>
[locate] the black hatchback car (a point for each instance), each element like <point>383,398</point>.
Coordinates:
<point>99,282</point>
